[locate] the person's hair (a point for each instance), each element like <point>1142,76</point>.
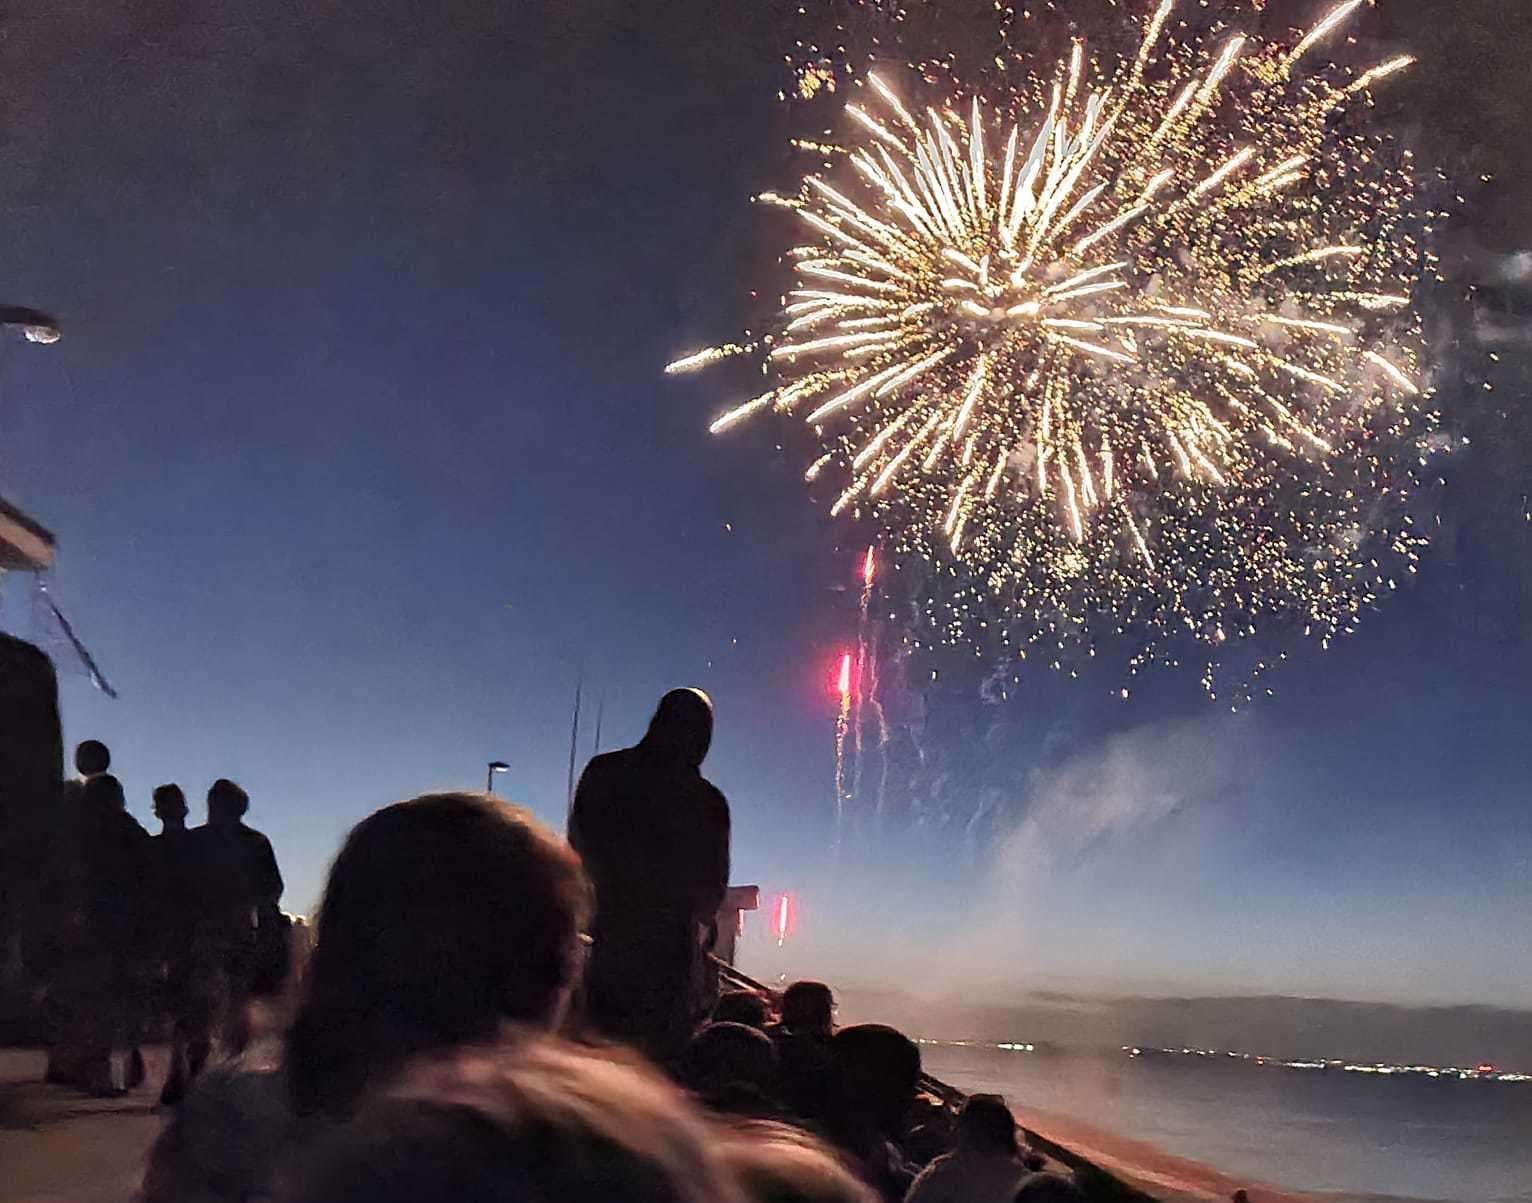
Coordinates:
<point>725,1055</point>
<point>776,1163</point>
<point>542,1122</point>
<point>741,1006</point>
<point>808,1006</point>
<point>105,791</point>
<point>170,795</point>
<point>91,756</point>
<point>443,917</point>
<point>1049,1188</point>
<point>986,1125</point>
<point>226,798</point>
<point>880,1073</point>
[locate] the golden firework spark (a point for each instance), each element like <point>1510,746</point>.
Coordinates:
<point>1131,338</point>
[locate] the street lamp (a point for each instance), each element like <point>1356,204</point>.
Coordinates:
<point>495,766</point>
<point>35,325</point>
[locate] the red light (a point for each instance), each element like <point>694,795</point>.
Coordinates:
<point>782,918</point>
<point>845,675</point>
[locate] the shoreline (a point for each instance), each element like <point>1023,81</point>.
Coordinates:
<point>1145,1166</point>
<point>1068,1130</point>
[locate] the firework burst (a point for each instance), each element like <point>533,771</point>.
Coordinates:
<point>1128,342</point>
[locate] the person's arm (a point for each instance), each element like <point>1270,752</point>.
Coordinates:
<point>271,883</point>
<point>718,852</point>
<point>928,1186</point>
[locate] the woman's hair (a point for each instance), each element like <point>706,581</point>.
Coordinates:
<point>443,917</point>
<point>880,1073</point>
<point>726,1055</point>
<point>779,1164</point>
<point>808,1006</point>
<point>748,1007</point>
<point>540,1122</point>
<point>986,1125</point>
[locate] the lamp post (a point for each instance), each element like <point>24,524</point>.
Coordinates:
<point>495,766</point>
<point>35,325</point>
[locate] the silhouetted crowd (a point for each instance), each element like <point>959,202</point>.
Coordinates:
<point>489,1012</point>
<point>128,934</point>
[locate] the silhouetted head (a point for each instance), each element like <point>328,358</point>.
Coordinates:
<point>880,1073</point>
<point>544,1123</point>
<point>776,1163</point>
<point>92,757</point>
<point>1049,1188</point>
<point>986,1125</point>
<point>682,726</point>
<point>809,1008</point>
<point>443,917</point>
<point>170,806</point>
<point>724,1055</point>
<point>226,802</point>
<point>741,1006</point>
<point>104,792</point>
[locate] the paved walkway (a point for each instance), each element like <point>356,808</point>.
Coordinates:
<point>60,1146</point>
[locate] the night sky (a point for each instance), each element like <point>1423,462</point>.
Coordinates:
<point>359,452</point>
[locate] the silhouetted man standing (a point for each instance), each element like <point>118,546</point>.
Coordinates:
<point>116,860</point>
<point>654,835</point>
<point>240,888</point>
<point>178,904</point>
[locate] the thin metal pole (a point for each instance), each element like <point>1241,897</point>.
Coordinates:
<point>574,739</point>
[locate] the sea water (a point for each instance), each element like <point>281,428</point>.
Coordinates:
<point>1361,1135</point>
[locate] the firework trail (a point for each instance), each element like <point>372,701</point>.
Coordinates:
<point>864,669</point>
<point>869,636</point>
<point>843,687</point>
<point>859,691</point>
<point>782,918</point>
<point>1118,344</point>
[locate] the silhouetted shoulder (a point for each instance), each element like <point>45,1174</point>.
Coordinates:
<point>606,779</point>
<point>18,654</point>
<point>31,742</point>
<point>608,763</point>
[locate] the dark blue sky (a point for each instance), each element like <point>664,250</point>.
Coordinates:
<point>358,449</point>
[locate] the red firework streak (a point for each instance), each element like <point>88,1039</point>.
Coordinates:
<point>783,917</point>
<point>842,725</point>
